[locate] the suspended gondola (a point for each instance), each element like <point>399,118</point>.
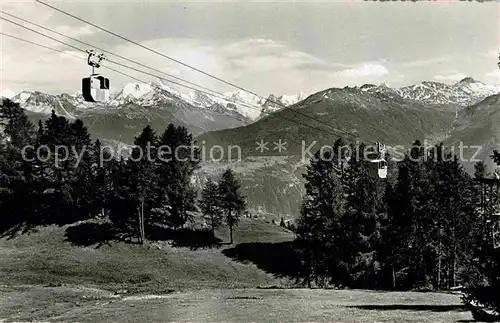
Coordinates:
<point>378,165</point>
<point>96,87</point>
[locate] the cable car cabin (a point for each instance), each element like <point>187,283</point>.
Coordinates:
<point>95,88</point>
<point>378,167</point>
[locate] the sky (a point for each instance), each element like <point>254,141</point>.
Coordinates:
<point>278,47</point>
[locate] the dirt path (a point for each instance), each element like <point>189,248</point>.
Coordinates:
<point>22,303</point>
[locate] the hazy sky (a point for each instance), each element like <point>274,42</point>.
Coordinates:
<point>268,47</point>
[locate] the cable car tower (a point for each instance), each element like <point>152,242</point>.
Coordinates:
<point>96,87</point>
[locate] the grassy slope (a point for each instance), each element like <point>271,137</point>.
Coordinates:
<point>45,257</point>
<point>90,276</point>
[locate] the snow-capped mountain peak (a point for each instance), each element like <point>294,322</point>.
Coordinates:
<point>467,80</point>
<point>465,92</point>
<point>288,99</point>
<point>44,103</point>
<point>134,90</point>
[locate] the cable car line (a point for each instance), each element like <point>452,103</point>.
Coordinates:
<point>187,65</point>
<point>112,69</point>
<point>70,54</point>
<point>139,80</point>
<point>219,94</point>
<point>103,50</point>
<point>117,63</point>
<point>88,83</point>
<point>107,52</point>
<point>214,92</point>
<point>167,80</point>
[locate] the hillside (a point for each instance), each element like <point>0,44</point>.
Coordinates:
<point>478,125</point>
<point>367,116</point>
<point>369,113</point>
<point>45,277</point>
<point>53,256</point>
<point>350,112</point>
<point>273,185</point>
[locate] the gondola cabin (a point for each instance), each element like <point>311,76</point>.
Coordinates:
<point>378,167</point>
<point>95,88</point>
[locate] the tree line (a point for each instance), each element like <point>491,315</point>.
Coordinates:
<point>133,193</point>
<point>425,227</point>
<point>428,226</point>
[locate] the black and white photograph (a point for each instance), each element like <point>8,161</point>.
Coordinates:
<point>249,161</point>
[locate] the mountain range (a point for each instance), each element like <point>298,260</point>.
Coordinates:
<point>432,112</point>
<point>467,111</point>
<point>240,104</point>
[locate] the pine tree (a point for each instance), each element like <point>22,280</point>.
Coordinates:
<point>232,201</point>
<point>83,179</point>
<point>409,214</point>
<point>387,252</point>
<point>122,202</point>
<point>143,178</point>
<point>399,225</point>
<point>16,124</point>
<point>455,217</point>
<point>386,255</point>
<point>59,166</point>
<point>486,290</point>
<point>360,223</point>
<point>496,157</point>
<point>15,169</point>
<point>209,204</point>
<point>133,191</point>
<point>176,164</point>
<point>101,161</point>
<point>480,170</point>
<point>318,227</point>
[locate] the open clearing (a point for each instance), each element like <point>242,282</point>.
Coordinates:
<point>45,277</point>
<point>242,305</point>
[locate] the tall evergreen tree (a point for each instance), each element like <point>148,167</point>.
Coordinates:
<point>486,289</point>
<point>177,162</point>
<point>209,204</point>
<point>496,157</point>
<point>102,184</point>
<point>86,203</point>
<point>15,169</point>
<point>409,217</point>
<point>59,166</point>
<point>16,125</point>
<point>480,170</point>
<point>360,223</point>
<point>455,215</point>
<point>232,201</point>
<point>144,178</point>
<point>133,192</point>
<point>318,228</point>
<point>122,202</point>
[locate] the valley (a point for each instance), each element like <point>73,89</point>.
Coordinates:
<point>249,161</point>
<point>465,112</point>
